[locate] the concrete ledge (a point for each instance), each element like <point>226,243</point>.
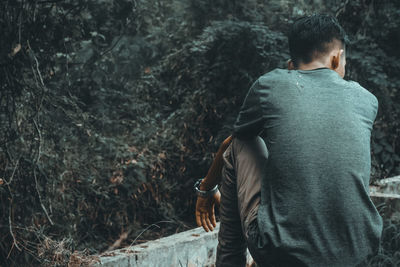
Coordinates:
<point>198,248</point>
<point>386,193</point>
<point>190,248</point>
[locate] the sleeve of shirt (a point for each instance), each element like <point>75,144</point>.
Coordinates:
<point>250,121</point>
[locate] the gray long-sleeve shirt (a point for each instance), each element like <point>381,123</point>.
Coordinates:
<point>315,201</point>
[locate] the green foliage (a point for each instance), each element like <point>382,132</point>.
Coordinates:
<point>373,63</point>
<point>389,255</point>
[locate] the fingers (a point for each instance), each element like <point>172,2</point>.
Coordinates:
<point>213,220</point>
<point>204,222</point>
<point>198,218</point>
<point>205,215</point>
<point>209,224</point>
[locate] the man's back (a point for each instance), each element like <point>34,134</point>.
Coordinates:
<point>315,201</point>
<point>303,193</point>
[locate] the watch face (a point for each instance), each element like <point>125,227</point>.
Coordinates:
<point>196,187</point>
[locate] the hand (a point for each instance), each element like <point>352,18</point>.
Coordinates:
<point>205,215</point>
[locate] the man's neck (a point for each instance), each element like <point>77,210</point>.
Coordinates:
<point>312,65</point>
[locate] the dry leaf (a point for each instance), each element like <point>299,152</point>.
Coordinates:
<point>15,50</point>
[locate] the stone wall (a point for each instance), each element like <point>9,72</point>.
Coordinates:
<point>190,248</point>
<point>198,248</point>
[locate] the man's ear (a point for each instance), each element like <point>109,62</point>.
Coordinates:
<point>290,65</point>
<point>336,58</point>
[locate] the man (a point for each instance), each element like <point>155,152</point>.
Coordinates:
<point>299,194</point>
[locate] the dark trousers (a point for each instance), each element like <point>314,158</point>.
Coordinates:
<point>240,197</point>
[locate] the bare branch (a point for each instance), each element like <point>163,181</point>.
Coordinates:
<point>40,141</point>
<point>20,25</point>
<point>12,175</point>
<point>34,173</point>
<point>40,198</point>
<point>37,64</point>
<point>11,231</point>
<point>147,228</point>
<point>42,85</point>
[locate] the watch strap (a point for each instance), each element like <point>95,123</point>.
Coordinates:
<point>203,193</point>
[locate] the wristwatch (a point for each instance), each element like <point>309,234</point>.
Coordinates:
<point>202,193</point>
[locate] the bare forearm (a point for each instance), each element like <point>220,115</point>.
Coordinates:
<point>213,176</point>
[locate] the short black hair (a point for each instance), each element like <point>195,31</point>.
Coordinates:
<point>312,34</point>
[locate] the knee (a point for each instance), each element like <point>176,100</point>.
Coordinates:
<point>256,146</point>
<point>262,147</point>
<point>227,157</point>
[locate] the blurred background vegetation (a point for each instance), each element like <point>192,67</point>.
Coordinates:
<point>111,109</point>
